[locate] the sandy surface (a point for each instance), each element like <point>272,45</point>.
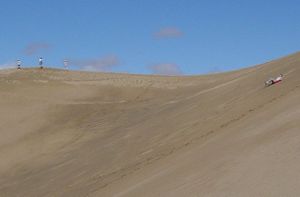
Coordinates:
<point>66,133</point>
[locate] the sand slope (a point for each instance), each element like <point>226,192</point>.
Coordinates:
<point>69,133</point>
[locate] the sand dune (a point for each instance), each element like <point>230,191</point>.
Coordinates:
<point>67,133</point>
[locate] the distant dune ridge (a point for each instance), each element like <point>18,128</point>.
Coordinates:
<point>71,133</point>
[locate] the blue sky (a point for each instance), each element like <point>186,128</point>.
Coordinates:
<point>148,36</point>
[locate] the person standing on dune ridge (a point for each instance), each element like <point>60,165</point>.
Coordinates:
<point>18,64</point>
<point>66,63</point>
<point>41,62</point>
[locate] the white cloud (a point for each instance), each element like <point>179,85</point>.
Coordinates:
<point>34,48</point>
<point>168,32</point>
<point>214,69</point>
<point>8,65</point>
<point>98,64</point>
<point>166,69</point>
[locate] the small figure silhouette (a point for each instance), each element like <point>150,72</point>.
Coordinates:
<point>41,62</point>
<point>18,64</point>
<point>66,62</point>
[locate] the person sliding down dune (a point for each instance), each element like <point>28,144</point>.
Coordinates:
<point>272,81</point>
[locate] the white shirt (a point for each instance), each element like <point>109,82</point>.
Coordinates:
<point>278,78</point>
